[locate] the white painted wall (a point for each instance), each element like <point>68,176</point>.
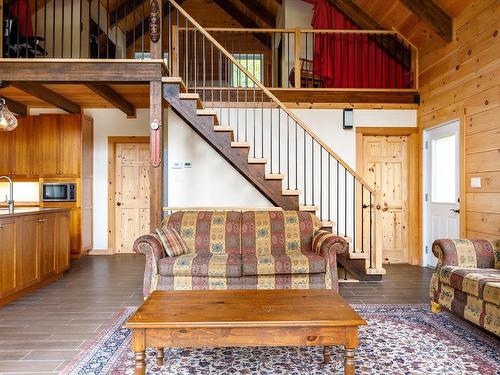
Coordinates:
<point>211,181</point>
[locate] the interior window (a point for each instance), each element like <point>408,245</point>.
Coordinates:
<point>253,62</point>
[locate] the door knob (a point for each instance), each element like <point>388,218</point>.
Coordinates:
<point>457,211</point>
<point>118,204</point>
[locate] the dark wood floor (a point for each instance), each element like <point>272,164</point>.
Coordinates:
<point>41,332</point>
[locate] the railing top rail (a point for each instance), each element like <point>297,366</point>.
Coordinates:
<point>259,30</point>
<point>270,95</point>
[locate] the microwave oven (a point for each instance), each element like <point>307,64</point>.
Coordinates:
<point>59,192</point>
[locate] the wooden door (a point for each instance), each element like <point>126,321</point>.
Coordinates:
<point>62,241</point>
<point>8,282</point>
<point>48,144</point>
<point>27,253</point>
<point>132,194</point>
<point>47,245</point>
<point>5,153</point>
<point>70,149</point>
<point>385,168</point>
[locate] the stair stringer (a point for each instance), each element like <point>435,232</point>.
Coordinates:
<point>237,157</point>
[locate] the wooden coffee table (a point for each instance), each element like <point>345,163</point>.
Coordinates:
<point>244,318</point>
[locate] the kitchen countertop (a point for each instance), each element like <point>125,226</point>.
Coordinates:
<point>4,212</point>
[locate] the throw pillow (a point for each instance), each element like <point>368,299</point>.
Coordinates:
<point>172,242</point>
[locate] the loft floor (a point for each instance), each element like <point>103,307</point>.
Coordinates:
<point>44,330</point>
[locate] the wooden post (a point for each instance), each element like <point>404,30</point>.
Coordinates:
<point>296,57</point>
<point>175,51</point>
<point>156,121</point>
<point>377,248</point>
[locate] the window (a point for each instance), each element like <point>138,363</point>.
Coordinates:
<point>253,62</point>
<point>147,56</point>
<point>443,170</point>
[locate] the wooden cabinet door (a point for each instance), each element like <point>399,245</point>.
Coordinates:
<point>70,152</point>
<point>8,282</point>
<point>23,148</point>
<point>47,245</point>
<point>27,252</point>
<point>63,241</point>
<point>48,145</point>
<point>5,154</point>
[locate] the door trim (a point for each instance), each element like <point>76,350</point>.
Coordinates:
<point>414,252</point>
<point>112,141</point>
<point>461,178</point>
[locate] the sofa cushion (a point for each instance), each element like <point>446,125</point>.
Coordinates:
<point>290,263</point>
<point>172,243</point>
<point>277,232</point>
<point>480,282</point>
<point>199,264</point>
<point>208,232</point>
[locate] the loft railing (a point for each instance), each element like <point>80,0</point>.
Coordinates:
<point>305,58</point>
<point>274,134</point>
<point>75,29</point>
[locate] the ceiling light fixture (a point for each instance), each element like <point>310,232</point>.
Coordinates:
<point>8,121</point>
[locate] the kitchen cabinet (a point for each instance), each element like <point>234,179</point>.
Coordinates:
<point>60,145</point>
<point>5,152</point>
<point>35,246</point>
<point>7,256</point>
<point>18,149</point>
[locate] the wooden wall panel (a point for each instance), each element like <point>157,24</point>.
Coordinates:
<point>461,81</point>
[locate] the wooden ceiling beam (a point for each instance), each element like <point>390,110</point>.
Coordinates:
<point>433,15</point>
<point>243,20</point>
<point>40,91</point>
<point>123,10</point>
<point>261,11</point>
<point>15,106</point>
<point>110,95</point>
<point>356,14</point>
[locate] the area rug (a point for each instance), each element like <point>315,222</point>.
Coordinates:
<point>399,339</point>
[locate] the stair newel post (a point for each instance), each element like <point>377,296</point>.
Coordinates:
<point>377,246</point>
<point>296,57</point>
<point>156,118</point>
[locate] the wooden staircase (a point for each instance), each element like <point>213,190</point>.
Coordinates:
<point>273,149</point>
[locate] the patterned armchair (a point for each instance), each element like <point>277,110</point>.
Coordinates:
<point>466,280</point>
<point>243,250</point>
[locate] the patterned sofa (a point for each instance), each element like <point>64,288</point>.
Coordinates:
<point>243,250</point>
<point>466,280</point>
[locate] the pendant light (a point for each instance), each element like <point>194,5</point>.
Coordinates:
<point>8,121</point>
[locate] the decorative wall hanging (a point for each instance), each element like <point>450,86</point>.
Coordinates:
<point>154,22</point>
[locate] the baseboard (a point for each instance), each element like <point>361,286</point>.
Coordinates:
<point>101,252</point>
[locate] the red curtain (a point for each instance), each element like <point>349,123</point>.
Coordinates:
<point>22,11</point>
<point>355,60</point>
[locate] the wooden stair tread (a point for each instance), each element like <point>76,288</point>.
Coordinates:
<point>220,128</point>
<point>328,224</point>
<point>257,161</point>
<point>189,96</point>
<point>274,176</point>
<point>291,192</point>
<point>177,80</point>
<point>206,112</point>
<point>308,208</point>
<point>240,144</point>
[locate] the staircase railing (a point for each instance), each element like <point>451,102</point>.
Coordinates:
<point>293,151</point>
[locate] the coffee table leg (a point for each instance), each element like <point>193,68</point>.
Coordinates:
<point>139,349</point>
<point>349,362</point>
<point>159,356</point>
<point>326,354</point>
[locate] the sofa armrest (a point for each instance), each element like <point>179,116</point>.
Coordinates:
<point>465,253</point>
<point>324,242</point>
<point>150,246</point>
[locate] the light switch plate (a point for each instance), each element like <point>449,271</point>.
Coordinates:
<point>475,182</point>
<point>187,164</point>
<point>177,165</point>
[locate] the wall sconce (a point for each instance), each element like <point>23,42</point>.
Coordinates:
<point>8,121</point>
<point>348,118</point>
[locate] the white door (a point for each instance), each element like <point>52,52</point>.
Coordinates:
<point>441,186</point>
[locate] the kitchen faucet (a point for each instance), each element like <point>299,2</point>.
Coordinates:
<point>10,200</point>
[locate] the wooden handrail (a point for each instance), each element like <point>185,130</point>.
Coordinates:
<point>270,95</point>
